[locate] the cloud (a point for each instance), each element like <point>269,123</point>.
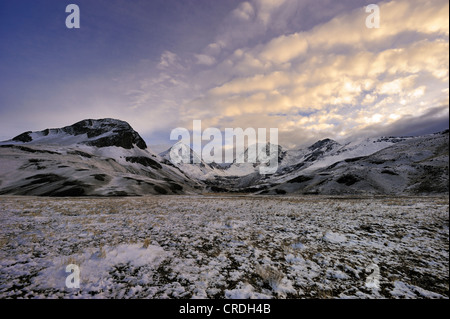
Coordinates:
<point>259,82</point>
<point>396,86</point>
<point>252,20</point>
<point>433,120</point>
<point>334,79</point>
<point>284,48</point>
<point>169,60</point>
<point>266,9</point>
<point>205,59</point>
<point>244,11</point>
<point>351,78</point>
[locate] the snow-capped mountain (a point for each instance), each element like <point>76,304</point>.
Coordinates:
<point>103,157</point>
<point>100,133</point>
<point>416,165</point>
<point>195,166</point>
<point>412,165</point>
<point>215,177</point>
<point>255,156</point>
<point>107,157</point>
<point>320,154</point>
<point>323,153</point>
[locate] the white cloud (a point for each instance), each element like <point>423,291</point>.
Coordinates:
<point>266,9</point>
<point>244,11</point>
<point>205,59</point>
<point>214,48</point>
<point>259,82</point>
<point>284,48</point>
<point>335,79</point>
<point>303,71</point>
<point>397,86</point>
<point>169,60</point>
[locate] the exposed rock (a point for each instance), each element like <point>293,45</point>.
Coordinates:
<point>146,161</point>
<point>300,179</point>
<point>24,137</point>
<point>348,180</point>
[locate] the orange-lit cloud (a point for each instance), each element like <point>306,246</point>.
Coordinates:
<point>345,76</point>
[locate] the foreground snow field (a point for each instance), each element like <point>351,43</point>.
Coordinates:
<point>225,247</point>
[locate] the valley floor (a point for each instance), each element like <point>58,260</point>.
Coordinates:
<point>219,246</point>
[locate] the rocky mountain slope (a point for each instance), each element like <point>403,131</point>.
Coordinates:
<point>196,168</point>
<point>92,157</point>
<point>107,157</point>
<point>416,165</point>
<point>385,165</point>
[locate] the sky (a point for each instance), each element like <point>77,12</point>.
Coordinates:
<point>311,68</point>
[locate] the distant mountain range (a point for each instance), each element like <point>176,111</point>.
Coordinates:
<point>107,157</point>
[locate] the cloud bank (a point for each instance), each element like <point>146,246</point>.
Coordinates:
<point>312,69</point>
<point>336,79</point>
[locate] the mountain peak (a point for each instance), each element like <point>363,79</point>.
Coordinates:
<point>186,149</point>
<point>328,143</point>
<point>100,133</point>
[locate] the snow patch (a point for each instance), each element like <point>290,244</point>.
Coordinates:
<point>244,291</point>
<point>404,290</point>
<point>95,265</point>
<point>334,238</point>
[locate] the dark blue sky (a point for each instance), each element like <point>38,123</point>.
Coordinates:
<point>159,64</point>
<point>113,33</point>
<point>42,60</point>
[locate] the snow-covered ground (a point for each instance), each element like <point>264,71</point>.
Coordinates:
<point>225,247</point>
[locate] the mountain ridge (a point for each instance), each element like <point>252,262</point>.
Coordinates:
<point>103,157</point>
<point>99,132</point>
<point>106,157</point>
